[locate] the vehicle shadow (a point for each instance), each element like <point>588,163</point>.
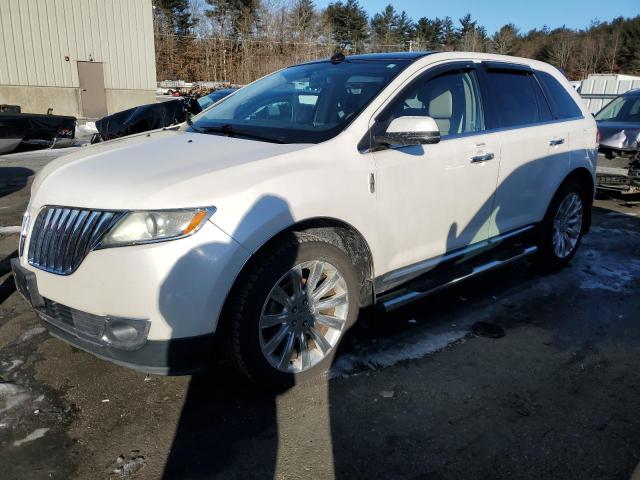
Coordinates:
<point>13,179</point>
<point>8,286</point>
<point>230,429</point>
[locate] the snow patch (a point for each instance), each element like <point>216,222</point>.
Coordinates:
<point>32,332</point>
<point>614,276</point>
<point>614,231</point>
<point>622,214</point>
<point>12,396</point>
<point>36,434</point>
<point>8,366</point>
<point>386,356</point>
<point>10,230</point>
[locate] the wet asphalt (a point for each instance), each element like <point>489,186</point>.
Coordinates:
<point>413,395</point>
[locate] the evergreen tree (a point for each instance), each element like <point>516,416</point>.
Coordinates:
<point>177,15</point>
<point>348,21</point>
<point>384,26</point>
<point>403,28</point>
<point>629,56</point>
<point>429,33</point>
<point>449,37</point>
<point>234,17</point>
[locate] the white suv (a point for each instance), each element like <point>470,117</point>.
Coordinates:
<point>273,216</point>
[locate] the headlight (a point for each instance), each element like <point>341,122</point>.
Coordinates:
<point>155,226</point>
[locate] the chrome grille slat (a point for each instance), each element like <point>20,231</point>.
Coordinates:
<point>82,247</point>
<point>47,239</point>
<point>39,230</point>
<point>76,228</point>
<point>63,236</point>
<point>56,254</point>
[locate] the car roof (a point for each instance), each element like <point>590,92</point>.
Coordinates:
<point>377,57</point>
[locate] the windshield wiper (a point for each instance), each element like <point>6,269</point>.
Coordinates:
<point>229,131</point>
<point>192,125</point>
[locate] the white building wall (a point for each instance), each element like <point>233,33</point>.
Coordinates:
<point>37,35</point>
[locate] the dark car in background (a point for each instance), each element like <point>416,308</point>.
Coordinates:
<point>154,115</point>
<point>619,150</point>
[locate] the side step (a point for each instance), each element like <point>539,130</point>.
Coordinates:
<point>410,296</point>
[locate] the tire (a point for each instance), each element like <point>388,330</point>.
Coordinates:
<point>556,249</point>
<point>260,317</point>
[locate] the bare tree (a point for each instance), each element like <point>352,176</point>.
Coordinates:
<point>561,48</point>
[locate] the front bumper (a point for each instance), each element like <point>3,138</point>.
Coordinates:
<point>86,332</point>
<point>177,287</point>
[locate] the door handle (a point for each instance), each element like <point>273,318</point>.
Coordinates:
<point>556,141</point>
<point>482,158</point>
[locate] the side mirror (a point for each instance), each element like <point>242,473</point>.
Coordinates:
<point>404,131</point>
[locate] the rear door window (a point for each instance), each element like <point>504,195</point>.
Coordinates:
<point>562,103</point>
<point>515,99</point>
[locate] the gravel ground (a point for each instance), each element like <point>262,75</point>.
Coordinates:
<point>413,395</point>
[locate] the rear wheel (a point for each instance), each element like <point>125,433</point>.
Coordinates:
<point>291,310</point>
<point>564,225</point>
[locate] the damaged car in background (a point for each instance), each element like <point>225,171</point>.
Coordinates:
<point>619,151</point>
<point>33,130</point>
<point>154,115</point>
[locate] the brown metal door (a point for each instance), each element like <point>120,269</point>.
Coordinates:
<point>92,93</point>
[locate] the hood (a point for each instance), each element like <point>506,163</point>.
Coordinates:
<point>166,169</point>
<point>619,135</point>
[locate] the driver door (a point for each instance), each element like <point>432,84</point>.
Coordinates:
<point>435,199</point>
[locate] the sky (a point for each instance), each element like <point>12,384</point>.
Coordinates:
<point>525,14</point>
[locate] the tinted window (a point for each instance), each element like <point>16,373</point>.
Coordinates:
<point>307,103</point>
<point>451,99</point>
<point>562,103</point>
<point>515,99</point>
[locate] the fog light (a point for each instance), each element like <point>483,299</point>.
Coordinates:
<point>125,333</point>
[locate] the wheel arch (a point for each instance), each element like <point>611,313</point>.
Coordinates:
<point>332,230</point>
<point>583,177</point>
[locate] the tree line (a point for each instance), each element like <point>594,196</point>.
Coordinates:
<point>239,40</point>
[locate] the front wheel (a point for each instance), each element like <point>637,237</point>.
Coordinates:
<point>564,225</point>
<point>291,309</point>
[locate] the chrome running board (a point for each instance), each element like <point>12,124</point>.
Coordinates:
<point>408,297</point>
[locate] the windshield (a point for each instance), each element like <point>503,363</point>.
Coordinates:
<point>302,104</point>
<point>621,109</point>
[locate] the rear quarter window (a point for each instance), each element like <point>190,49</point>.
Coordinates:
<point>561,101</point>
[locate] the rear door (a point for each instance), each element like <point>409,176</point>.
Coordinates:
<point>534,148</point>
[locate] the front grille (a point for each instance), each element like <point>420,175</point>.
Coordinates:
<point>62,237</point>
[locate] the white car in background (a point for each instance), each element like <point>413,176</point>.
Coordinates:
<point>271,218</point>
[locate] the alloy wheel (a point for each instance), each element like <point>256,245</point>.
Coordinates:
<point>567,225</point>
<point>304,316</point>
